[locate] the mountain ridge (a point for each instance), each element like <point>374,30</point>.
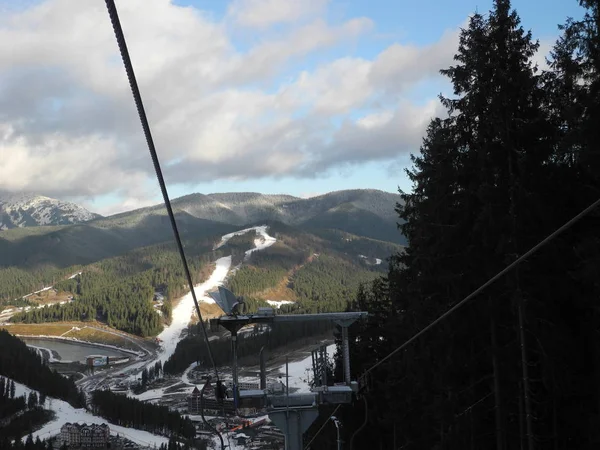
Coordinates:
<point>27,209</point>
<point>240,208</point>
<point>368,213</point>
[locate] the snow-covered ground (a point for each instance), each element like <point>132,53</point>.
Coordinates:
<point>377,260</point>
<point>260,243</point>
<point>185,377</point>
<point>229,438</point>
<point>264,241</point>
<point>278,303</point>
<point>37,292</point>
<point>66,413</point>
<point>51,358</point>
<point>183,312</point>
<point>299,372</point>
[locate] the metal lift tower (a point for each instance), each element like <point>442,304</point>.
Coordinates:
<point>294,413</point>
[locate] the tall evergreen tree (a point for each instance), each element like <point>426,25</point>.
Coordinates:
<point>485,188</point>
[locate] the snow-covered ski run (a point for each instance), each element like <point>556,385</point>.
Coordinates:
<point>185,309</point>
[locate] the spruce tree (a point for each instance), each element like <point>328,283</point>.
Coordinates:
<point>477,201</point>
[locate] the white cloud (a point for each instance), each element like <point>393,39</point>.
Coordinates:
<point>68,125</point>
<point>543,52</point>
<point>264,13</point>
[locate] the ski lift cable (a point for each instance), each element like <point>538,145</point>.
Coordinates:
<point>469,297</point>
<point>114,17</point>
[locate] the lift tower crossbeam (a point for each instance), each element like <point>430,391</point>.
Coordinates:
<point>293,414</point>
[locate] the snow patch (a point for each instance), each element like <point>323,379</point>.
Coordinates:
<point>260,244</point>
<point>185,309</point>
<point>278,303</point>
<point>185,377</point>
<point>300,372</point>
<point>37,292</point>
<point>377,260</point>
<point>51,358</point>
<point>66,413</point>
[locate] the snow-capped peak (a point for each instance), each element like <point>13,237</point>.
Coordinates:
<point>26,210</point>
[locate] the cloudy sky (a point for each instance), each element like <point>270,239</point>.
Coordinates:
<point>272,96</point>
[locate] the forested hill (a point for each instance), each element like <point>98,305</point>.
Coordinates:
<point>318,271</point>
<point>240,208</point>
<point>120,291</point>
<point>34,257</point>
<point>315,272</point>
<point>513,157</point>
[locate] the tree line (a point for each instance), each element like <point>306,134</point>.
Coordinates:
<point>327,284</point>
<point>119,291</point>
<point>272,337</point>
<point>29,444</point>
<point>266,269</point>
<point>25,366</point>
<point>19,414</point>
<point>15,282</point>
<point>175,445</point>
<point>131,412</point>
<point>148,375</point>
<point>515,158</point>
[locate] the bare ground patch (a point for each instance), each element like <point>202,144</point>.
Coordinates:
<point>101,337</point>
<point>49,297</point>
<point>39,329</point>
<point>208,310</point>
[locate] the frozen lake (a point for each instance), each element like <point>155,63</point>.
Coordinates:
<point>72,351</point>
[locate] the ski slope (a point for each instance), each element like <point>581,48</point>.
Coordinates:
<point>260,243</point>
<point>185,309</point>
<point>183,312</point>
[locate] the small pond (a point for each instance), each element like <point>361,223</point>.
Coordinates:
<point>72,351</point>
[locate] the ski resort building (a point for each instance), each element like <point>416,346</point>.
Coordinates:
<point>194,402</point>
<point>76,435</point>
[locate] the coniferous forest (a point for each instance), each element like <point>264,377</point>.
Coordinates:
<point>19,414</point>
<point>23,365</point>
<point>131,412</point>
<point>29,444</point>
<point>515,157</point>
<point>272,338</point>
<point>119,290</point>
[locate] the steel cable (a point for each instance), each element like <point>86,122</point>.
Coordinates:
<point>116,24</point>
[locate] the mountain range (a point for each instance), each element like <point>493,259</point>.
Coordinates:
<point>80,237</point>
<point>26,210</point>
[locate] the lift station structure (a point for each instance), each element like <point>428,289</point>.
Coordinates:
<point>292,413</point>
